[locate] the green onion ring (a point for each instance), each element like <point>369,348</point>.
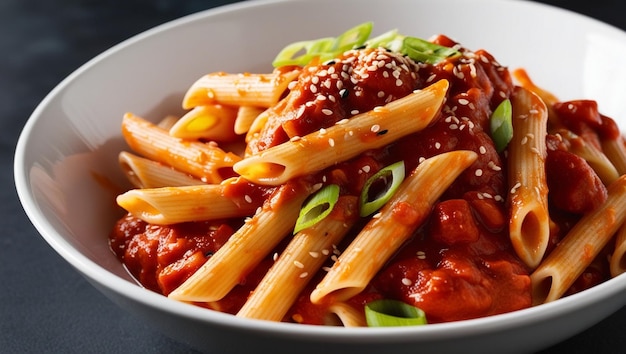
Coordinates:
<point>390,313</point>
<point>396,173</point>
<point>317,207</point>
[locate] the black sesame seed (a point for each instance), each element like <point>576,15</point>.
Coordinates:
<point>382,132</point>
<point>344,93</point>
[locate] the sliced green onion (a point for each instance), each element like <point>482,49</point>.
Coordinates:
<point>387,40</point>
<point>302,52</point>
<point>501,126</point>
<point>427,52</point>
<point>353,38</point>
<point>389,313</point>
<point>317,207</point>
<point>391,177</point>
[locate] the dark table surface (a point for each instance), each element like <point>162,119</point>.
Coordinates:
<point>45,305</point>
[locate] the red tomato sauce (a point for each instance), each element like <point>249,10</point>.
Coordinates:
<point>460,263</point>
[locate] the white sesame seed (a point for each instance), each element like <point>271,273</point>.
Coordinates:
<point>304,275</point>
<point>482,150</point>
<point>314,254</point>
<point>437,145</point>
<point>478,172</point>
<point>298,264</point>
<point>325,252</point>
<point>406,281</point>
<point>331,142</point>
<point>247,198</point>
<point>375,128</point>
<point>327,111</point>
<point>295,138</point>
<point>421,254</point>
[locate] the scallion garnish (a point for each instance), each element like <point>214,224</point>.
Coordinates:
<point>317,207</point>
<point>379,188</point>
<point>501,126</point>
<point>301,53</point>
<point>389,313</point>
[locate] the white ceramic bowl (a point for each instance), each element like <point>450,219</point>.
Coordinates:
<point>67,176</point>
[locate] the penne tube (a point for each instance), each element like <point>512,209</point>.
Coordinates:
<point>615,151</point>
<point>547,97</point>
<point>348,315</point>
<point>207,162</point>
<point>212,122</point>
<point>617,262</point>
<point>247,89</point>
<point>391,227</point>
<point>341,142</point>
<point>596,159</point>
<point>247,247</point>
<point>167,122</point>
<point>298,263</point>
<point>580,246</point>
<point>146,173</point>
<point>529,225</point>
<point>246,115</point>
<point>172,205</point>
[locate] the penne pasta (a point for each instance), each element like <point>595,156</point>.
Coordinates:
<point>395,223</point>
<point>246,89</point>
<point>348,315</point>
<point>146,173</point>
<point>617,262</point>
<point>246,247</point>
<point>547,97</point>
<point>246,115</point>
<point>212,122</point>
<point>297,264</point>
<point>341,142</point>
<point>577,250</point>
<point>529,225</point>
<point>207,162</point>
<point>615,151</point>
<point>171,205</point>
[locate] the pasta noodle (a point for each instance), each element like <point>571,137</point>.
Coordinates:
<point>577,250</point>
<point>340,142</point>
<point>297,264</point>
<point>171,205</point>
<point>204,161</point>
<point>529,226</point>
<point>384,234</point>
<point>146,173</point>
<point>245,249</point>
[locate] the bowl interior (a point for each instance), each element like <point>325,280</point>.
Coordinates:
<point>66,167</point>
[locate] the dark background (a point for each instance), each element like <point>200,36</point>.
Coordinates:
<point>45,305</point>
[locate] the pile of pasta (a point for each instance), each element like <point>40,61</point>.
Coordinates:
<point>181,168</point>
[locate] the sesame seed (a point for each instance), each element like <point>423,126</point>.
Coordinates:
<point>343,92</point>
<point>343,121</point>
<point>354,112</point>
<point>406,281</point>
<point>247,198</point>
<point>325,252</point>
<point>515,187</point>
<point>314,254</point>
<point>421,254</point>
<point>380,94</point>
<point>399,82</point>
<point>331,142</point>
<point>478,172</point>
<point>295,138</point>
<point>366,168</point>
<point>327,111</point>
<point>313,88</point>
<point>375,128</point>
<point>298,264</point>
<point>322,131</point>
<point>377,215</point>
<point>437,145</point>
<point>304,275</point>
<point>482,150</point>
<point>275,256</point>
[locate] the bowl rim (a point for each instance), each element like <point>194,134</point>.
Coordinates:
<point>96,273</point>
